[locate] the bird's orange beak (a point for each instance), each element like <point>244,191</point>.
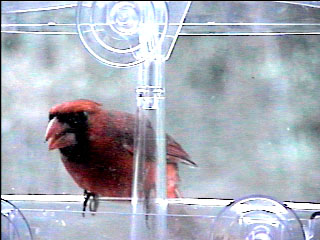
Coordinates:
<point>56,135</point>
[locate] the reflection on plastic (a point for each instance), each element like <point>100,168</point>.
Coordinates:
<point>14,225</point>
<point>257,218</point>
<point>314,231</point>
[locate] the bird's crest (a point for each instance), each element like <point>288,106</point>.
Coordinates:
<point>81,105</point>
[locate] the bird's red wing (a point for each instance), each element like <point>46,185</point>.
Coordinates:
<point>176,154</point>
<point>125,133</point>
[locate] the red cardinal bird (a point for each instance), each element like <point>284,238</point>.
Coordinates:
<point>96,147</point>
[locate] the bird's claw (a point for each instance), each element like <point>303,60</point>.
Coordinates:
<point>93,203</point>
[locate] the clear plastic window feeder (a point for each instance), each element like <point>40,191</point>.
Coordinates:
<point>233,99</point>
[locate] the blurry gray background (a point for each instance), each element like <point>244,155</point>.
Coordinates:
<point>246,108</point>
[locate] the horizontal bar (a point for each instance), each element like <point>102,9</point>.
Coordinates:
<point>41,33</point>
<point>170,24</point>
<point>250,34</point>
<point>186,201</point>
<point>183,34</point>
<point>39,9</point>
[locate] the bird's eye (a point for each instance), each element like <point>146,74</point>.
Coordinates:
<point>86,114</point>
<point>51,116</point>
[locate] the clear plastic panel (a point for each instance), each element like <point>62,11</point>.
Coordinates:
<point>203,18</point>
<point>251,18</point>
<point>187,219</point>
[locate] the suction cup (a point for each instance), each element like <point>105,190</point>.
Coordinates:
<point>122,33</point>
<point>257,218</point>
<point>14,225</point>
